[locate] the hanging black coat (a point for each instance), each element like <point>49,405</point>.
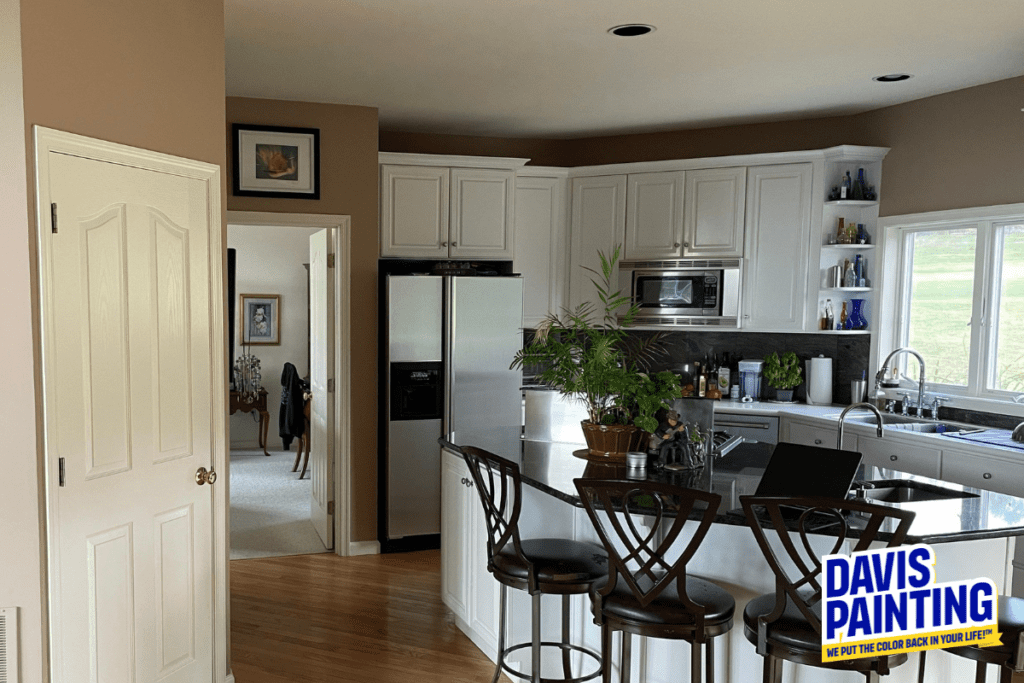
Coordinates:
<point>292,422</point>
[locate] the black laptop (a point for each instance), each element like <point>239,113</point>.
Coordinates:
<point>797,470</point>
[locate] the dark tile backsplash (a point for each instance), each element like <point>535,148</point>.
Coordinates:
<point>849,353</point>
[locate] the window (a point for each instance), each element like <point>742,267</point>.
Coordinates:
<point>960,303</point>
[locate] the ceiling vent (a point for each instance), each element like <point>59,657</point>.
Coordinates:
<point>9,645</point>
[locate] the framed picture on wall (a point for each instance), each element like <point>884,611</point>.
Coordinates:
<point>260,318</point>
<point>274,161</point>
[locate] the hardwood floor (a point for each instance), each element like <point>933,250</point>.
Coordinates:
<point>328,618</point>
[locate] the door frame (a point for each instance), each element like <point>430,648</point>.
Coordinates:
<point>48,140</point>
<point>342,226</point>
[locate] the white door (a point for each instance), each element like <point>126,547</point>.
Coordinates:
<point>321,370</point>
<point>133,408</point>
<point>654,216</point>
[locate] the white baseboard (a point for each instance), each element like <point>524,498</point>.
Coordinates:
<point>363,548</point>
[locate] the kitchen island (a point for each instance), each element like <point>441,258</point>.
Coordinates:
<point>973,532</point>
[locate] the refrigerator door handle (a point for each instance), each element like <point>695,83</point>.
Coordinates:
<point>447,342</point>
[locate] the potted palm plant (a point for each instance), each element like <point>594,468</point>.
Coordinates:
<point>783,373</point>
<point>587,355</point>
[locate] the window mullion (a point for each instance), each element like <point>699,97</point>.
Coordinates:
<point>981,313</point>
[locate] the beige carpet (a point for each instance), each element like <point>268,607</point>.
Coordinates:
<point>269,507</point>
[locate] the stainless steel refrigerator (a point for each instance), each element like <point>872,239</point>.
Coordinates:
<point>450,341</point>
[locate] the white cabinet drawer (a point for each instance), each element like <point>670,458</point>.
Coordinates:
<point>994,474</point>
<point>895,455</point>
<point>809,435</point>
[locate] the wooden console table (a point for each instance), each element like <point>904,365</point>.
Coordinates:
<point>260,406</point>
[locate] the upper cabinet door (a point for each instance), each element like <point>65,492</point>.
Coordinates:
<point>541,247</point>
<point>482,213</point>
<point>414,203</point>
<point>778,239</point>
<point>714,212</point>
<point>598,220</point>
<point>654,218</point>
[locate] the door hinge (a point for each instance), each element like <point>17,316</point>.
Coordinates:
<point>60,471</point>
<point>330,507</point>
<point>53,217</point>
<point>330,386</point>
<point>330,260</point>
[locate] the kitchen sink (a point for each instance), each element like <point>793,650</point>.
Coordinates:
<point>906,491</point>
<point>909,423</point>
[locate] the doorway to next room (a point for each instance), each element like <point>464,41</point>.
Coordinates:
<point>270,489</point>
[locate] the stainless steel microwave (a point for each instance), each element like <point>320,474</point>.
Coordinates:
<point>684,293</point>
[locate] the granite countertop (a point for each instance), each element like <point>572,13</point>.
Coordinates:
<point>551,468</point>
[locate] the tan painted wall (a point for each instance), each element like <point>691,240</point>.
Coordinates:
<point>957,150</point>
<point>146,74</point>
<point>348,186</point>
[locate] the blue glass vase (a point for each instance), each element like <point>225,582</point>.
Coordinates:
<point>857,321</point>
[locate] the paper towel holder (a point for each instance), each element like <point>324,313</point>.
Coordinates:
<point>819,381</point>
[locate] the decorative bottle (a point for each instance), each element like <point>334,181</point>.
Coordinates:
<point>830,316</point>
<point>844,323</point>
<point>849,277</point>
<point>858,270</point>
<point>857,320</point>
<point>841,231</point>
<point>858,186</point>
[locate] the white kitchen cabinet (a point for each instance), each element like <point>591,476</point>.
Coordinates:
<point>814,435</point>
<point>481,221</point>
<point>456,507</point>
<point>436,207</point>
<point>541,249</point>
<point>598,219</point>
<point>467,588</point>
<point>996,474</point>
<point>713,210</point>
<point>892,453</point>
<point>654,216</point>
<point>414,211</point>
<point>778,228</point>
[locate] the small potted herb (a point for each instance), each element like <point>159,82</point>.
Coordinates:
<point>783,373</point>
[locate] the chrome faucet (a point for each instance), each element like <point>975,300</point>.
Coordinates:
<point>842,420</point>
<point>880,377</point>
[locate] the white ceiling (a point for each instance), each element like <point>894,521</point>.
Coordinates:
<point>548,68</point>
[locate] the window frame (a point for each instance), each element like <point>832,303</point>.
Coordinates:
<point>893,315</point>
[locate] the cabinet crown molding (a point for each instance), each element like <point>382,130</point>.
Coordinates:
<point>452,160</point>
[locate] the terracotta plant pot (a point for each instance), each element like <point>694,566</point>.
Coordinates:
<point>612,442</point>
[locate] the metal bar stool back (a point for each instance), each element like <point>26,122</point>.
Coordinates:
<point>649,593</point>
<point>538,566</point>
<point>786,624</point>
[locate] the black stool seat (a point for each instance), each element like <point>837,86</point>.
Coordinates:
<point>667,609</point>
<point>1011,623</point>
<point>560,565</point>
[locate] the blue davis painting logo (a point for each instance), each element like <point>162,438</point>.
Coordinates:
<point>883,602</point>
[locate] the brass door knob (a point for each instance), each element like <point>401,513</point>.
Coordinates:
<point>204,477</point>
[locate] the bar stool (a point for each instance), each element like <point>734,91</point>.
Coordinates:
<point>646,594</point>
<point>1009,656</point>
<point>786,624</point>
<point>538,566</point>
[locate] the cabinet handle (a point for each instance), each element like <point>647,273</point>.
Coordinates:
<point>893,458</point>
<point>817,442</point>
<point>469,483</point>
<point>751,425</point>
<point>987,475</point>
<point>685,244</point>
<point>463,481</point>
<point>676,245</point>
<point>444,244</point>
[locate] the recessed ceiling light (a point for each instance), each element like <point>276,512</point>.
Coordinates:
<point>631,30</point>
<point>892,78</point>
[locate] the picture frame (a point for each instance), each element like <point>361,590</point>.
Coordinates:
<point>276,161</point>
<point>259,319</point>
